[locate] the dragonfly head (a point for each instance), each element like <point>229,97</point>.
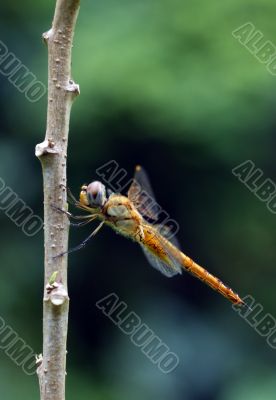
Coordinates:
<point>93,195</point>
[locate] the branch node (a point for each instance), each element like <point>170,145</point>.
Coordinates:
<point>47,35</point>
<point>46,147</point>
<point>38,360</point>
<point>56,292</point>
<point>59,295</point>
<point>73,87</point>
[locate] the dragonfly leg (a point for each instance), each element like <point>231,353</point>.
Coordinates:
<point>78,224</point>
<point>70,215</point>
<point>80,246</point>
<point>71,197</point>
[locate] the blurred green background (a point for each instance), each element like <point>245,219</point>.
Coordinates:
<point>163,84</point>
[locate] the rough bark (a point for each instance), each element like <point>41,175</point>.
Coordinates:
<point>52,153</point>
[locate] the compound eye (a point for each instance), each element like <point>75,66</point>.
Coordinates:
<point>96,194</point>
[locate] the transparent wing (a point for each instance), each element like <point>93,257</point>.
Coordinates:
<point>165,231</point>
<point>157,250</point>
<point>160,252</point>
<point>141,195</point>
<point>158,264</point>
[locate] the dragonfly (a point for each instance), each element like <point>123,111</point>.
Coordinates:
<point>130,217</point>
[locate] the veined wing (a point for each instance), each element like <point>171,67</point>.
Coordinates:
<point>156,263</point>
<point>165,230</point>
<point>155,249</point>
<point>141,195</point>
<point>158,252</point>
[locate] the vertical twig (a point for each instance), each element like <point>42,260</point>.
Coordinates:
<point>52,154</point>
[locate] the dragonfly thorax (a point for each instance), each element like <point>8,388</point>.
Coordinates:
<point>123,217</point>
<point>118,206</point>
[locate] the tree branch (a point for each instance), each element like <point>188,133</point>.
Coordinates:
<point>52,153</point>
